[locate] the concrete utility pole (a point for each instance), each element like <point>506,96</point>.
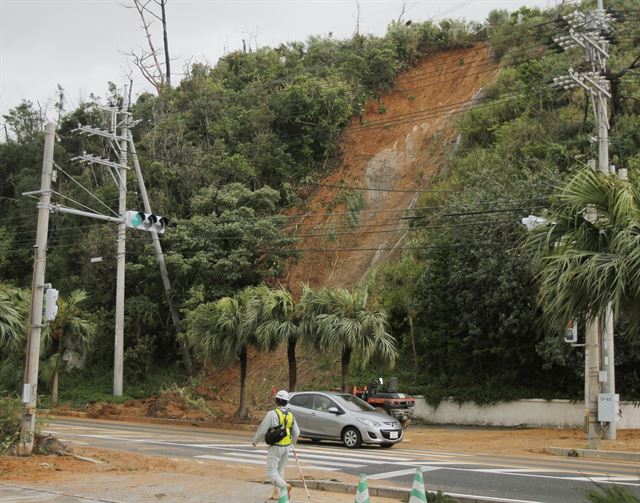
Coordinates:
<point>186,358</point>
<point>118,350</point>
<point>30,389</point>
<point>118,170</point>
<point>585,31</point>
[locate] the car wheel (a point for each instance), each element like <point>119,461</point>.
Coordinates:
<point>386,446</point>
<point>351,437</point>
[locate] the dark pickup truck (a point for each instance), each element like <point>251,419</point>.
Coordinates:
<point>398,405</point>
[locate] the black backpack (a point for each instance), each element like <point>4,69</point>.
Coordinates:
<point>276,433</point>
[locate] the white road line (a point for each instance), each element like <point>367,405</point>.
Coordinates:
<point>606,480</point>
<point>489,498</point>
<point>627,481</point>
<point>434,453</point>
<point>221,446</point>
<point>350,454</point>
<point>324,461</point>
<point>433,462</point>
<point>257,462</point>
<point>303,455</point>
<point>398,473</point>
<point>507,470</point>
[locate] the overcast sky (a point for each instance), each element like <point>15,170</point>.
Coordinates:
<point>79,43</point>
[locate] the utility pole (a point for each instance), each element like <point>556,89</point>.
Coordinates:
<point>186,358</point>
<point>118,350</point>
<point>32,361</point>
<point>586,31</point>
<point>119,144</point>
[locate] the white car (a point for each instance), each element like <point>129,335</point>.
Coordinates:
<point>324,415</point>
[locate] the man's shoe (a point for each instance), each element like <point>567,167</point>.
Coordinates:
<point>275,495</point>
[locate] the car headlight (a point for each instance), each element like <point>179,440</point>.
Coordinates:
<point>368,422</point>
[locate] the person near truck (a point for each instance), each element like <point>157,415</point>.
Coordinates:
<point>278,454</point>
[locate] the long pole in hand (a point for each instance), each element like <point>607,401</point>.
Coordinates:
<point>295,455</point>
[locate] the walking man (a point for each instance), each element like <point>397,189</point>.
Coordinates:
<point>278,453</point>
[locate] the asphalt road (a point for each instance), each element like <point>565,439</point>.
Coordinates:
<point>540,479</point>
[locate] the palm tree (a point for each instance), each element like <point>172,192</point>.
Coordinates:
<point>69,329</point>
<point>225,329</point>
<point>280,324</point>
<point>14,306</point>
<point>347,323</point>
<point>589,250</point>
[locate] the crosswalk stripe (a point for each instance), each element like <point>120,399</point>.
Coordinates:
<point>259,462</point>
<point>397,473</point>
<point>434,462</point>
<point>434,453</point>
<point>322,461</point>
<point>350,454</point>
<point>507,470</point>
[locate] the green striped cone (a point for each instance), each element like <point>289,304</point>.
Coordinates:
<point>418,494</point>
<point>362,493</point>
<point>284,495</point>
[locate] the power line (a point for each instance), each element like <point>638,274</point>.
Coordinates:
<point>374,189</point>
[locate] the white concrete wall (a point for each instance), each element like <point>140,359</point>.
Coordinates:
<point>534,412</point>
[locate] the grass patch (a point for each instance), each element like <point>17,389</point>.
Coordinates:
<point>84,387</point>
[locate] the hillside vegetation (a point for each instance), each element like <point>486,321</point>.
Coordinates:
<point>400,165</point>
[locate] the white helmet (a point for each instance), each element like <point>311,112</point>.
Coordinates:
<point>283,395</point>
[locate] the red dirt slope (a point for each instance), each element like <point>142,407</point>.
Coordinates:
<point>397,145</point>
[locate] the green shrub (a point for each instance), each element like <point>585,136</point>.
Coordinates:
<point>612,494</point>
<point>10,414</point>
<point>138,360</point>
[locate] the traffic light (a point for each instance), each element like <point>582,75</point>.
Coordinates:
<point>145,221</point>
<point>50,304</point>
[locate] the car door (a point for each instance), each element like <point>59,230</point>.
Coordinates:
<point>326,424</point>
<point>301,404</point>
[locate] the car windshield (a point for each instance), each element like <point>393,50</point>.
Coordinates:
<point>351,402</point>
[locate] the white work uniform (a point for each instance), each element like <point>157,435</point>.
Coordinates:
<point>277,455</point>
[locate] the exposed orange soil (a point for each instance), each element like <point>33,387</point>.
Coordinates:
<point>398,145</point>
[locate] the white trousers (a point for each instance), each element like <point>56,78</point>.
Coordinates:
<point>277,457</point>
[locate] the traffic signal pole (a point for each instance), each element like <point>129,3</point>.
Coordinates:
<point>32,360</point>
<point>186,357</point>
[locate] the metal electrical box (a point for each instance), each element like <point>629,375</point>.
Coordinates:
<point>608,406</point>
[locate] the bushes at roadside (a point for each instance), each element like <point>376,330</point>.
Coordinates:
<point>10,412</point>
<point>612,494</point>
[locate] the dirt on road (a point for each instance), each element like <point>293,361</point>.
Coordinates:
<point>520,442</point>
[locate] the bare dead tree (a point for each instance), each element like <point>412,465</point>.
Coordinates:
<point>148,61</point>
<point>402,12</point>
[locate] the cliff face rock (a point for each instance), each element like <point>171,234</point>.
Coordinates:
<point>353,220</point>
